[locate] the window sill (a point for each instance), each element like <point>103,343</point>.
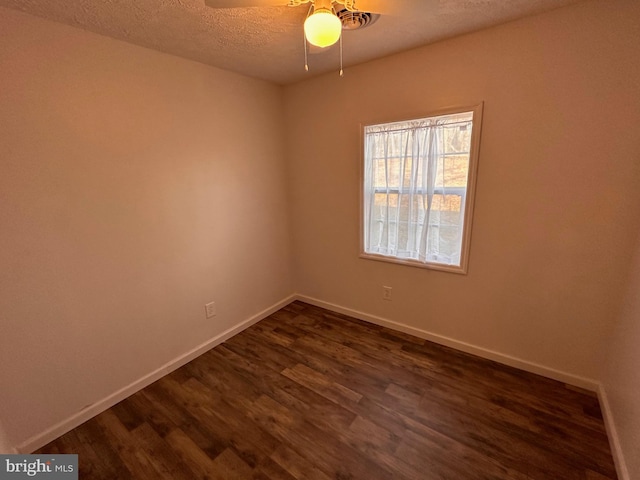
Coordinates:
<point>459,269</point>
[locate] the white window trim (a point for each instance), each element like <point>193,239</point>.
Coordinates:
<point>470,194</point>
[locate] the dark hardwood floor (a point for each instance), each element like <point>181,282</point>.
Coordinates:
<point>310,394</point>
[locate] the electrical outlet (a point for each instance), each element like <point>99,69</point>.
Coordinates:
<point>210,309</point>
<point>386,293</point>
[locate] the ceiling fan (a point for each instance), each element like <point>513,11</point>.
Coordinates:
<point>325,20</point>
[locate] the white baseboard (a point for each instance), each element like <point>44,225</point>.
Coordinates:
<point>575,380</point>
<point>100,406</point>
<point>612,433</point>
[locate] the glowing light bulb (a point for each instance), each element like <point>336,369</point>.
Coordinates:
<point>322,28</point>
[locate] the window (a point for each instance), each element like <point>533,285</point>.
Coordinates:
<point>417,195</point>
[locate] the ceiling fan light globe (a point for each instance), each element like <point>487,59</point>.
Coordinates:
<point>322,28</point>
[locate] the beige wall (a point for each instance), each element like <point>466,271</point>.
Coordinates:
<point>622,377</point>
<point>134,188</point>
<point>5,446</point>
<point>557,204</point>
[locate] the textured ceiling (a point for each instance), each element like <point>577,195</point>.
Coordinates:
<point>267,42</point>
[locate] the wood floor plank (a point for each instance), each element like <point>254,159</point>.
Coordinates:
<point>322,385</point>
<point>298,466</point>
<point>118,439</point>
<point>311,394</point>
<point>191,454</point>
<point>293,395</point>
<point>336,459</point>
<point>229,466</point>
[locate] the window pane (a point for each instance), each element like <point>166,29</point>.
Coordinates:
<point>457,138</point>
<point>453,171</point>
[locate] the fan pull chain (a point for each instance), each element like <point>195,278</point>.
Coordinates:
<point>341,35</point>
<point>341,70</point>
<point>304,39</point>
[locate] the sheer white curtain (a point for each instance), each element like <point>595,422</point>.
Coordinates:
<point>402,163</point>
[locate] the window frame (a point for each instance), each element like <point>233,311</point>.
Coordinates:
<point>474,153</point>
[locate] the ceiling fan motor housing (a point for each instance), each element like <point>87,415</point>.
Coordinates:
<point>348,4</point>
<point>354,20</point>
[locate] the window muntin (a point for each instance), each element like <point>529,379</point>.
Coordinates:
<point>417,186</point>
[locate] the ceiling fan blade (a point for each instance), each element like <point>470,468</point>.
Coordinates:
<point>244,3</point>
<point>385,7</point>
<point>396,8</point>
